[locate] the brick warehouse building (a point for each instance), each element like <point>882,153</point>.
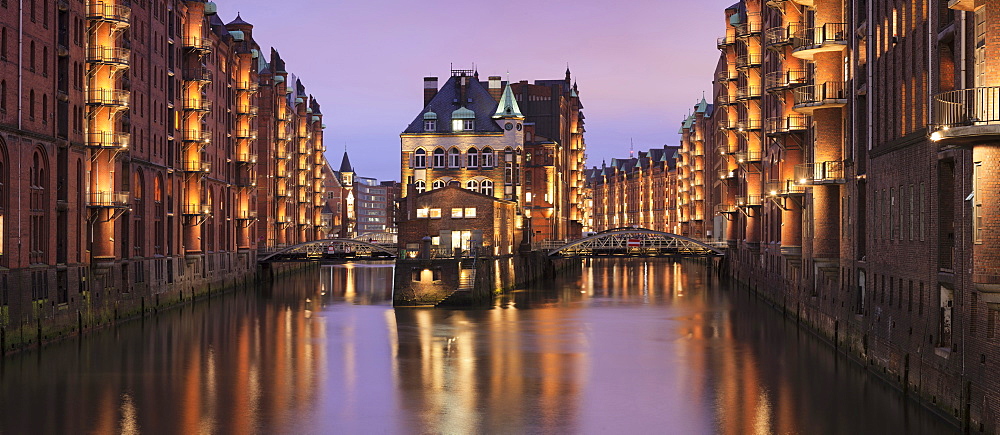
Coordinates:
<point>129,142</point>
<point>859,183</point>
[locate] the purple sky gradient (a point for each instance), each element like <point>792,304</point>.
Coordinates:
<point>640,65</point>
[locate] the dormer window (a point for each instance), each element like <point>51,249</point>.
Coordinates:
<point>430,122</point>
<point>463,120</point>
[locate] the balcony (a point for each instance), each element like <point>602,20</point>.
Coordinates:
<point>723,42</point>
<point>197,44</point>
<point>246,180</point>
<point>196,166</point>
<point>831,172</point>
<point>246,133</point>
<point>246,158</point>
<point>728,73</point>
<point>728,124</point>
<point>105,55</point>
<point>777,81</point>
<point>726,174</point>
<point>246,215</point>
<point>108,199</point>
<point>246,110</point>
<point>783,188</point>
<point>821,96</point>
<point>750,28</point>
<point>779,5</point>
<point>726,99</point>
<point>747,125</point>
<point>196,209</point>
<point>966,115</point>
<point>107,97</point>
<point>725,150</point>
<point>787,124</point>
<point>246,87</point>
<point>304,197</point>
<point>777,37</point>
<point>744,93</point>
<point>748,157</point>
<point>726,208</point>
<point>281,155</point>
<point>201,136</point>
<point>318,175</point>
<point>806,3</point>
<point>201,74</point>
<point>748,61</point>
<point>107,140</point>
<point>196,105</point>
<point>754,200</point>
<point>828,37</point>
<point>117,15</point>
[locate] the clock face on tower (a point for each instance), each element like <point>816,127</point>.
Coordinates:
<point>508,126</point>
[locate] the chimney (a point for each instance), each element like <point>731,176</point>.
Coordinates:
<point>430,89</point>
<point>495,87</point>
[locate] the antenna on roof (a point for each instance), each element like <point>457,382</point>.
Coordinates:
<point>631,151</point>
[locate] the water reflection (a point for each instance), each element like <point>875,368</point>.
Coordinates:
<point>627,346</point>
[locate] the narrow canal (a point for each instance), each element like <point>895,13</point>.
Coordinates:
<point>629,346</point>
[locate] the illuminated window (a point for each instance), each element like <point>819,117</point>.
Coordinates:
<point>420,158</point>
<point>470,212</point>
<point>422,213</point>
<point>456,213</point>
<point>421,187</point>
<point>486,187</point>
<point>437,184</point>
<point>472,185</point>
<point>435,213</point>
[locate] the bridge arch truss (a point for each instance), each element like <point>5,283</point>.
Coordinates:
<point>636,242</point>
<point>330,249</point>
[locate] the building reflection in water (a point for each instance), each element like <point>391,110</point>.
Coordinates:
<point>628,345</point>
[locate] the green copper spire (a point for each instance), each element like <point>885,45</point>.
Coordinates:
<point>508,105</point>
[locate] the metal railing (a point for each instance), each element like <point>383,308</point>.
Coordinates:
<point>107,140</point>
<point>247,86</point>
<point>196,136</point>
<point>787,124</point>
<point>780,80</point>
<point>725,75</point>
<point>750,200</point>
<point>725,174</point>
<point>111,199</point>
<point>198,105</point>
<point>195,166</point>
<point>247,110</point>
<point>246,158</point>
<point>819,172</point>
<point>109,12</point>
<point>747,156</point>
<point>777,36</point>
<point>963,107</point>
<point>246,214</point>
<point>196,43</point>
<point>783,188</point>
<point>820,93</point>
<point>725,208</point>
<point>829,33</point>
<point>748,92</point>
<point>751,27</point>
<point>745,125</point>
<point>199,74</point>
<point>748,61</point>
<point>107,97</point>
<point>108,55</point>
<point>246,133</point>
<point>196,209</point>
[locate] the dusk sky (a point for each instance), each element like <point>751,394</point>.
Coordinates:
<point>640,65</point>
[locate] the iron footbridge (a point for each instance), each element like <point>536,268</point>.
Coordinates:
<point>330,250</point>
<point>637,242</point>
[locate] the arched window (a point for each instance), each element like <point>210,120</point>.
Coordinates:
<point>438,184</point>
<point>421,187</point>
<point>486,187</point>
<point>488,157</point>
<point>38,204</point>
<point>31,104</point>
<point>3,95</point>
<point>420,158</point>
<point>454,158</point>
<point>45,60</point>
<point>158,215</point>
<point>472,158</point>
<point>472,185</point>
<point>138,214</point>
<point>45,108</point>
<point>438,158</point>
<point>3,43</point>
<point>31,63</point>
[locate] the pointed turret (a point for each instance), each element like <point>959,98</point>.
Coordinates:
<point>508,108</point>
<point>345,164</point>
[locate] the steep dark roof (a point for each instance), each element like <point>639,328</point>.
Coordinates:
<point>238,21</point>
<point>345,165</point>
<point>478,100</point>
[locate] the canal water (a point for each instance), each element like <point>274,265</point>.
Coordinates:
<point>628,346</point>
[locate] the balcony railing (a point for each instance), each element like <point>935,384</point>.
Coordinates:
<point>724,150</point>
<point>823,94</point>
<point>197,43</point>
<point>246,133</point>
<point>787,124</point>
<point>197,105</point>
<point>246,179</point>
<point>249,86</point>
<point>747,125</point>
<point>727,73</point>
<point>247,110</point>
<point>117,14</point>
<point>196,209</point>
<point>781,80</point>
<point>107,97</point>
<point>726,99</point>
<point>748,92</point>
<point>776,4</point>
<point>725,174</point>
<point>820,173</point>
<point>196,166</point>
<point>108,199</point>
<point>107,140</point>
<point>728,124</point>
<point>744,157</point>
<point>247,215</point>
<point>748,61</point>
<point>281,155</point>
<point>723,42</point>
<point>967,107</point>
<point>751,27</point>
<point>196,136</point>
<point>200,74</point>
<point>778,188</point>
<point>828,37</point>
<point>246,158</point>
<point>754,200</point>
<point>726,208</point>
<point>777,37</point>
<point>108,55</point>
